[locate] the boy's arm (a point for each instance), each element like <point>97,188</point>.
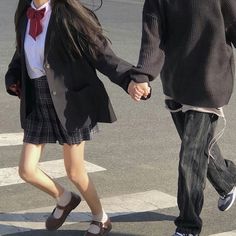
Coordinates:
<point>229,13</point>
<point>151,56</point>
<point>13,75</point>
<point>231,34</point>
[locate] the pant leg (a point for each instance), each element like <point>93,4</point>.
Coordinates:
<point>192,171</point>
<point>221,172</point>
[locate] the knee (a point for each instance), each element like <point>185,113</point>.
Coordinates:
<point>75,176</point>
<point>27,174</point>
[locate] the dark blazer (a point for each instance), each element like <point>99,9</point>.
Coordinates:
<point>79,96</point>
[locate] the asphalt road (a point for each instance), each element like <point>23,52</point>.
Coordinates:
<point>139,151</point>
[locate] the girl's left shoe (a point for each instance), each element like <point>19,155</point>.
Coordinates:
<point>102,229</point>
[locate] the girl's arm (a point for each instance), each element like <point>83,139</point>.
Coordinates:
<point>109,64</point>
<point>13,75</point>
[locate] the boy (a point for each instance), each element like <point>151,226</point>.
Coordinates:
<point>189,43</point>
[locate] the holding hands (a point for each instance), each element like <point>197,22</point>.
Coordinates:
<point>138,90</point>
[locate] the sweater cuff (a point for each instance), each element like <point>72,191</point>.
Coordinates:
<point>139,78</point>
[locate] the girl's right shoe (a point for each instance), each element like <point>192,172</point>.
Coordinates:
<point>102,229</point>
<point>53,223</point>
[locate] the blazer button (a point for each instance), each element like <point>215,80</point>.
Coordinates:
<point>54,93</point>
<point>47,66</point>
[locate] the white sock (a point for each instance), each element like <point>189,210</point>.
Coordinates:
<point>62,200</point>
<point>102,217</point>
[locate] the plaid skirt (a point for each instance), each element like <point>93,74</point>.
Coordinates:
<point>42,124</point>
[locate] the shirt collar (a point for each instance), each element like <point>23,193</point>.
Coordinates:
<point>46,5</point>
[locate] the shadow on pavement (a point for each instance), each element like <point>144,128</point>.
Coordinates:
<point>143,216</point>
<point>64,233</point>
<point>135,217</point>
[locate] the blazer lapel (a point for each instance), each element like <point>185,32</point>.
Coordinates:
<point>49,36</point>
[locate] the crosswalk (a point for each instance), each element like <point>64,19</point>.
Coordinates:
<point>33,219</point>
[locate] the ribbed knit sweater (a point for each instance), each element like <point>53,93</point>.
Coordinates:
<point>190,43</point>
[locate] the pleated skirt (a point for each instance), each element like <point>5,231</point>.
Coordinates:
<point>42,124</point>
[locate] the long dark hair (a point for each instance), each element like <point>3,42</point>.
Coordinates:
<point>71,18</point>
<point>20,11</point>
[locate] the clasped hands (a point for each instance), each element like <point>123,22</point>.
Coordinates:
<point>138,90</point>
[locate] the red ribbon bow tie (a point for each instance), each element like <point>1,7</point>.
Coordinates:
<point>35,17</point>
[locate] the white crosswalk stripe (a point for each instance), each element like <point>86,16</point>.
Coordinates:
<point>55,169</point>
<point>231,233</point>
<point>115,206</point>
<point>11,139</point>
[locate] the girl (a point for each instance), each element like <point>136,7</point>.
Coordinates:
<point>59,45</point>
<point>190,43</point>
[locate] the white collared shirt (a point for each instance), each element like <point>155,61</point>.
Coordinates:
<point>34,49</point>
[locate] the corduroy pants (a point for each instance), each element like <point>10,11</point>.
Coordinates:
<point>196,130</point>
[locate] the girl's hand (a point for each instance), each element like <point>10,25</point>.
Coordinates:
<point>15,88</point>
<point>138,90</point>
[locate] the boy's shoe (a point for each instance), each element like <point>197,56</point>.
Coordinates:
<point>53,223</point>
<point>99,229</point>
<point>225,202</point>
<point>180,234</point>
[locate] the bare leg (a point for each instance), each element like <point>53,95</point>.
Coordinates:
<point>75,168</point>
<point>30,172</point>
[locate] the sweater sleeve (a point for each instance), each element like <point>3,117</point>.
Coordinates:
<point>151,56</point>
<point>231,33</point>
<point>13,74</point>
<point>229,14</point>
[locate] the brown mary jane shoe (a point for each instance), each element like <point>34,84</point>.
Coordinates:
<point>53,223</point>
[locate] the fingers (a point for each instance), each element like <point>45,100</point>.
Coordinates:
<point>135,92</point>
<point>138,90</point>
<point>15,88</point>
<point>146,92</point>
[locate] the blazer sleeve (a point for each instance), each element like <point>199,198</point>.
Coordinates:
<point>13,74</point>
<point>151,56</point>
<point>109,64</point>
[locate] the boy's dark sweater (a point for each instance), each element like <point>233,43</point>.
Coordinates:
<point>189,42</point>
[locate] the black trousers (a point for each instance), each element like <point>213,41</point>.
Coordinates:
<point>196,130</point>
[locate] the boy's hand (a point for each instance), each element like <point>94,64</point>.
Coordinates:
<point>138,90</point>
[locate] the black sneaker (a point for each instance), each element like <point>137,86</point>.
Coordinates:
<point>180,234</point>
<point>225,202</point>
